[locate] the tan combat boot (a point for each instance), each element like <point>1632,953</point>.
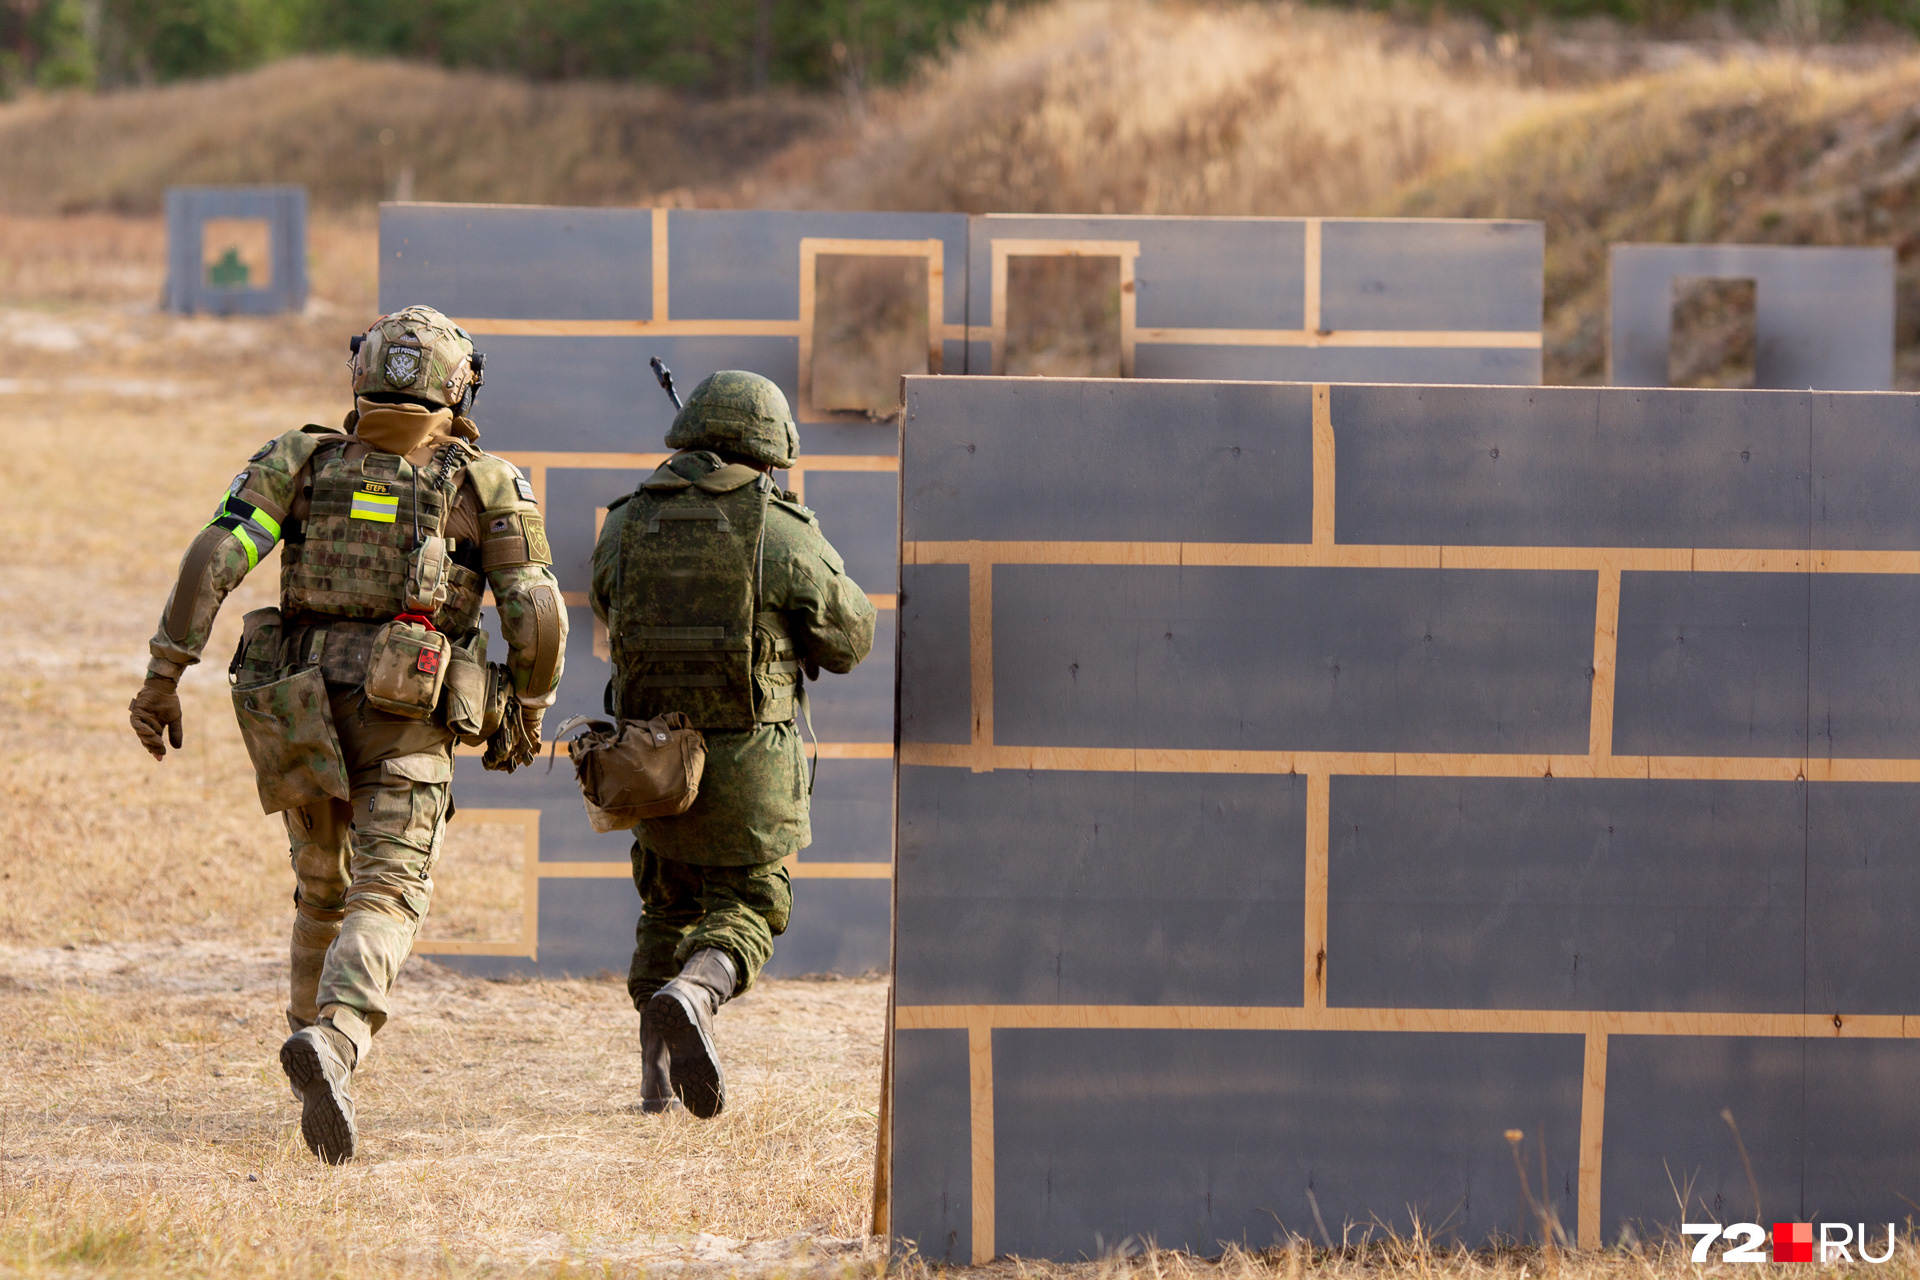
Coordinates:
<point>319,1064</point>
<point>683,1013</point>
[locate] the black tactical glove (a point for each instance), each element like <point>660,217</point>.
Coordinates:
<point>515,742</point>
<point>154,708</point>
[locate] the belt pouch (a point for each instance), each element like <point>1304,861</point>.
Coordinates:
<point>638,769</point>
<point>465,704</point>
<point>287,725</point>
<point>407,670</point>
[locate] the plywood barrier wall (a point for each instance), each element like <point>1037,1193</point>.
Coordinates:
<point>1301,786</point>
<point>569,304</point>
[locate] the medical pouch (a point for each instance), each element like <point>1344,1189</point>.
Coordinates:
<point>408,668</point>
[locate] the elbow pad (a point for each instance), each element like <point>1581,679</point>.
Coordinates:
<point>549,639</point>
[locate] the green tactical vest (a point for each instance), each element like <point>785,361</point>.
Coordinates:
<point>352,554</point>
<point>688,634</point>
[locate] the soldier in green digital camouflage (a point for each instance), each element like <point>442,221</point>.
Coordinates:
<point>353,692</point>
<point>718,592</point>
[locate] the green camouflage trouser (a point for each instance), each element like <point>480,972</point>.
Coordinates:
<point>364,867</point>
<point>685,908</point>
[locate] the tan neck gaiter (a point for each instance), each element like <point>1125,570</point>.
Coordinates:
<point>399,428</point>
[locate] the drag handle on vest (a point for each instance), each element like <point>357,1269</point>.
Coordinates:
<point>665,375</point>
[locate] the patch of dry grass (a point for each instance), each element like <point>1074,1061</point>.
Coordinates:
<point>1128,106</point>
<point>1781,150</point>
<point>145,1128</point>
<point>354,131</point>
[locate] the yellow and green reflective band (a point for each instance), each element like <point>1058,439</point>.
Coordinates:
<point>267,523</point>
<point>253,552</point>
<point>371,506</point>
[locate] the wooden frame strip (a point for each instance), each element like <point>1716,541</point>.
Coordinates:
<point>1325,455</point>
<point>1593,1124</point>
<point>812,248</point>
<point>980,1118</point>
<point>1363,555</point>
<point>516,328</point>
<point>982,756</point>
<point>662,267</point>
<point>527,945</point>
<point>1606,633</point>
<point>1570,1022</point>
<point>1314,963</point>
<point>1482,339</point>
<point>1128,251</point>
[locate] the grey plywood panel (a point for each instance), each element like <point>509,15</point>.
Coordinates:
<point>1863,899</point>
<point>744,264</point>
<point>930,1191</point>
<point>1863,1133</point>
<point>518,261</point>
<point>852,812</point>
<point>1100,888</point>
<point>576,497</point>
<point>283,209</point>
<point>936,680</point>
<point>1864,702</point>
<point>1823,317</point>
<point>839,926</point>
<point>860,514</point>
<point>1570,466</point>
<point>1217,273</point>
<point>1300,659</point>
<point>597,394</point>
<point>1665,1133</point>
<point>1711,664</point>
<point>1564,893</point>
<point>1045,458</point>
<point>1866,470</point>
<point>1198,1139</point>
<point>1476,366</point>
<point>1411,274</point>
<point>858,706</point>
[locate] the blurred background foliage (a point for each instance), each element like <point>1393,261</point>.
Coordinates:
<point>711,47</point>
<point>705,46</point>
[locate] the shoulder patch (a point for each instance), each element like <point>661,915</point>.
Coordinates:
<point>524,487</point>
<point>264,450</point>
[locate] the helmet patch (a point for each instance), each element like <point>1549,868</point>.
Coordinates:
<point>403,366</point>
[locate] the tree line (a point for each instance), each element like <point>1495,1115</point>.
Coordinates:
<point>704,46</point>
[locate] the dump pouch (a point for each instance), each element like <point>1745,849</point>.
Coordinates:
<point>638,769</point>
<point>288,727</point>
<point>464,706</point>
<point>256,660</point>
<point>408,669</point>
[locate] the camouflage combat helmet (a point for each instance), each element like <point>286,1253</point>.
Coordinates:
<point>738,413</point>
<point>419,353</point>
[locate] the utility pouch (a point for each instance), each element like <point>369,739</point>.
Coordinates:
<point>464,706</point>
<point>427,577</point>
<point>637,769</point>
<point>287,725</point>
<point>408,668</point>
<point>256,660</point>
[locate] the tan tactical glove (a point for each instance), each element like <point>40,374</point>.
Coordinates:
<point>516,742</point>
<point>156,707</point>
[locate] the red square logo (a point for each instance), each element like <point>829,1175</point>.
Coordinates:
<point>1793,1242</point>
<point>429,662</point>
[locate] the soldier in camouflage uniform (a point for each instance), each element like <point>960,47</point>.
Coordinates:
<point>350,715</point>
<point>718,591</point>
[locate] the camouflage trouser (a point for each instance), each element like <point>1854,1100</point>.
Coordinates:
<point>364,867</point>
<point>685,908</point>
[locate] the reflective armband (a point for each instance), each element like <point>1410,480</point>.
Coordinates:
<point>256,527</point>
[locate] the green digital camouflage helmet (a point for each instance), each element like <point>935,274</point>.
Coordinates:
<point>418,353</point>
<point>738,413</point>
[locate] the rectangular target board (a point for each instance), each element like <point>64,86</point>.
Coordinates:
<point>1303,786</point>
<point>569,305</point>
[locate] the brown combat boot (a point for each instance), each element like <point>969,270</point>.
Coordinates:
<point>656,1079</point>
<point>318,1061</point>
<point>683,1012</point>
